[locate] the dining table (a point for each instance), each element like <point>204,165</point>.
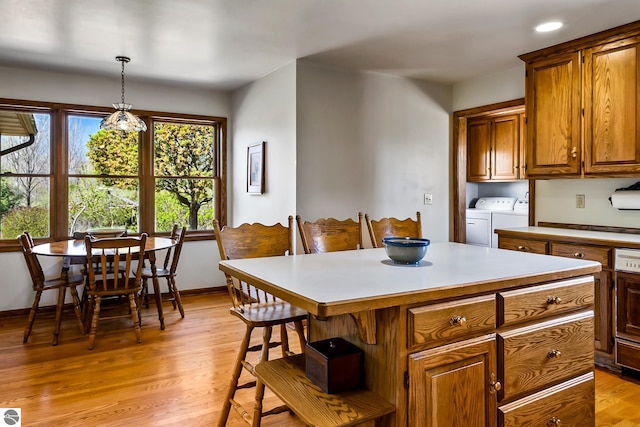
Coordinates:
<point>74,252</point>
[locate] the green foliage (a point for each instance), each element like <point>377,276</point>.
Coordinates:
<point>35,220</point>
<point>113,153</point>
<point>9,198</point>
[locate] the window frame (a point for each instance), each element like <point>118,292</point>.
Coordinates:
<point>59,173</point>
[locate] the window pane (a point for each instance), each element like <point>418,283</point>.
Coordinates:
<point>95,151</point>
<point>184,150</point>
<point>24,174</point>
<point>103,203</point>
<point>20,211</point>
<point>185,201</point>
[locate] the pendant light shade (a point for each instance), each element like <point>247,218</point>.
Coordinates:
<point>122,119</point>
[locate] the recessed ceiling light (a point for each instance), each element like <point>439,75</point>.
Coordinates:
<point>548,26</point>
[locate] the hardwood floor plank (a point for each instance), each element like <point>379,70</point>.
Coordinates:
<point>178,376</point>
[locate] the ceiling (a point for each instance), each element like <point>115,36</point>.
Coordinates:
<point>224,44</point>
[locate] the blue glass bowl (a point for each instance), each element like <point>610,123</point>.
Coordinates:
<point>405,250</point>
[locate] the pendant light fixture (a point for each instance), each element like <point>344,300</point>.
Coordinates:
<point>122,119</point>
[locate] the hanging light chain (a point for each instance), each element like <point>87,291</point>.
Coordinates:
<point>123,59</point>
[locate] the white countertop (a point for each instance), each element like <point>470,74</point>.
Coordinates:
<point>620,239</point>
<point>340,278</point>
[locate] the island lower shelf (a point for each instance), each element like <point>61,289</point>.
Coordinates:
<point>286,378</point>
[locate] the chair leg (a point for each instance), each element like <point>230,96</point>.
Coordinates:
<point>94,320</point>
<point>135,317</point>
<point>32,316</point>
<point>176,296</point>
<point>300,330</point>
<point>76,308</point>
<point>144,292</point>
<point>284,339</point>
<point>257,410</point>
<point>62,291</point>
<point>235,377</point>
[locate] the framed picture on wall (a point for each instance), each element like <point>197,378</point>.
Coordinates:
<point>255,168</point>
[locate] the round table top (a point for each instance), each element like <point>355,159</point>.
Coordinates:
<point>75,248</point>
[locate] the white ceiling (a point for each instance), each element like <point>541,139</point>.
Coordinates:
<point>223,44</point>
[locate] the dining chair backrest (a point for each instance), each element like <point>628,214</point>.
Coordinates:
<point>252,241</point>
<point>107,276</point>
<point>330,235</point>
<point>33,264</point>
<point>392,227</point>
<point>173,254</point>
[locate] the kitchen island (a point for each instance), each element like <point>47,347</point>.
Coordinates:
<point>469,336</point>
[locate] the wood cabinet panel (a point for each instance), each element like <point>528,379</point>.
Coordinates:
<point>451,385</point>
<point>603,309</point>
<point>545,353</point>
<point>600,254</point>
<point>494,144</point>
<point>523,245</point>
<point>479,150</point>
<point>553,116</point>
<point>567,404</point>
<point>628,306</point>
<point>612,109</point>
<point>439,322</point>
<point>540,302</point>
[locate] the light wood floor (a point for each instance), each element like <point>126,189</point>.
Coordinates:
<point>177,376</point>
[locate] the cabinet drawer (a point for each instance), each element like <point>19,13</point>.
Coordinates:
<point>451,319</point>
<point>594,253</point>
<point>571,403</point>
<point>539,355</point>
<point>523,245</point>
<point>545,300</point>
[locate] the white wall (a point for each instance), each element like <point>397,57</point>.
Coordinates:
<point>372,143</point>
<point>555,198</point>
<point>265,110</point>
<point>198,263</point>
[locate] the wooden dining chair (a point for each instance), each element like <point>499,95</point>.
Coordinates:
<point>168,271</point>
<point>40,284</point>
<point>256,308</point>
<point>107,278</point>
<point>392,227</point>
<point>330,235</point>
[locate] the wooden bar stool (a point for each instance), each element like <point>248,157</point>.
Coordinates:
<point>256,308</point>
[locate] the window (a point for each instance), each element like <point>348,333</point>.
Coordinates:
<point>24,173</point>
<point>75,176</point>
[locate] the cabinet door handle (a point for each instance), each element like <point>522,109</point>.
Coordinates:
<point>458,321</point>
<point>554,300</point>
<point>494,385</point>
<point>554,354</point>
<point>574,152</point>
<point>554,422</point>
<point>578,255</point>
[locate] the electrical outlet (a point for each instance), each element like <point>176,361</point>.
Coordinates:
<point>580,201</point>
<point>428,199</point>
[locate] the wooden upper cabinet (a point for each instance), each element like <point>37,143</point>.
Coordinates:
<point>612,110</point>
<point>552,101</point>
<point>493,148</point>
<point>583,106</point>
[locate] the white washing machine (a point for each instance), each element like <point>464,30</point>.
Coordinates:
<point>491,213</point>
<point>478,227</point>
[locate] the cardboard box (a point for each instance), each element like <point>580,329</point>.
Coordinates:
<point>334,365</point>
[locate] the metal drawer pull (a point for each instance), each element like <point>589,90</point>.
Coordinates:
<point>494,385</point>
<point>458,321</point>
<point>522,248</point>
<point>578,255</point>
<point>554,422</point>
<point>554,300</point>
<point>554,354</point>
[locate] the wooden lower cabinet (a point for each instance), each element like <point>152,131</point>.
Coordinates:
<point>454,385</point>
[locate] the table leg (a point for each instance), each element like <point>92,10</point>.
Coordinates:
<point>156,288</point>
